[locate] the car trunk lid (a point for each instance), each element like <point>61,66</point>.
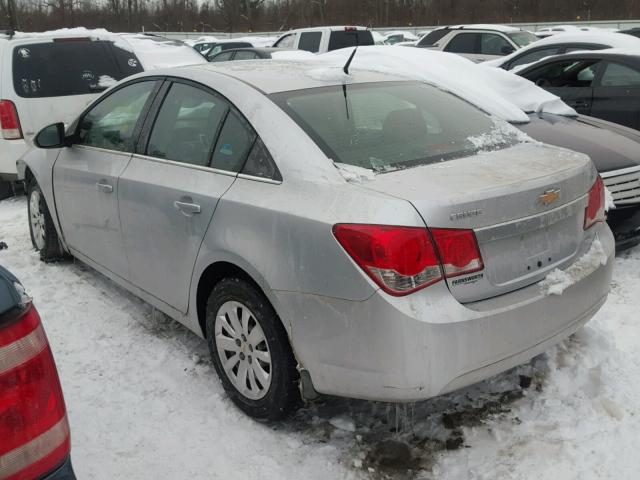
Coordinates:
<point>525,203</point>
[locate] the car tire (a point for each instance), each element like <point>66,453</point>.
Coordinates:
<point>251,351</point>
<point>44,237</point>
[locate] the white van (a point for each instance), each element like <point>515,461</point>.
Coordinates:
<point>52,76</point>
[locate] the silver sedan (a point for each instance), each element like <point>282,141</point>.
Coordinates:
<point>359,235</point>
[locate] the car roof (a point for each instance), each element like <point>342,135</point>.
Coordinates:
<point>258,49</point>
<point>273,76</point>
<point>333,28</point>
<point>484,26</point>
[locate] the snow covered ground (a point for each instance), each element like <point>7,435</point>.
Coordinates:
<point>144,401</point>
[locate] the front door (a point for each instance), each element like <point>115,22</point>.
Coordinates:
<point>169,191</point>
<point>85,176</point>
<point>616,96</point>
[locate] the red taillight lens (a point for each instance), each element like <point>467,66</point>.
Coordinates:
<point>399,259</point>
<point>9,121</point>
<point>594,212</point>
<point>459,251</point>
<point>405,259</point>
<point>33,420</point>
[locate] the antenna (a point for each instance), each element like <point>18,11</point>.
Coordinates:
<point>345,69</point>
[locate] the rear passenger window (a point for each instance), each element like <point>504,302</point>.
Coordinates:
<point>260,163</point>
<point>245,55</point>
<point>222,57</point>
<point>463,43</point>
<point>55,69</point>
<point>111,122</point>
<point>533,56</point>
<point>186,125</point>
<point>236,138</point>
<point>310,41</point>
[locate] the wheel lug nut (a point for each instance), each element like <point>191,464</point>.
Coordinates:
<point>250,348</point>
<point>244,339</point>
<point>241,356</point>
<point>238,342</point>
<point>249,358</point>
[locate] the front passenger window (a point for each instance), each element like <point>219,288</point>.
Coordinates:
<point>110,124</point>
<point>186,125</point>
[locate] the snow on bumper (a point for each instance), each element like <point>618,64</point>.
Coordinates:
<point>419,346</point>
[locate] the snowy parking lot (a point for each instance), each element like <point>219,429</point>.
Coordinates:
<point>144,400</point>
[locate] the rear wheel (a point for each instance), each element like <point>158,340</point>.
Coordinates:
<point>43,233</point>
<point>251,351</point>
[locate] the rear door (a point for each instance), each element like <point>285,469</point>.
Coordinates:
<point>616,95</point>
<point>85,176</point>
<point>189,157</point>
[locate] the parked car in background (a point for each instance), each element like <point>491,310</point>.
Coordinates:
<point>603,84</point>
<point>566,43</point>
<point>253,54</point>
<point>477,42</point>
<point>223,45</point>
<point>631,31</point>
<point>324,39</point>
<point>549,31</point>
<point>203,44</point>
<point>33,419</point>
<point>320,239</point>
<point>397,36</point>
<point>55,75</point>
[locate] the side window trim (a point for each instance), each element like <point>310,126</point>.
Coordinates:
<point>135,134</point>
<point>153,111</point>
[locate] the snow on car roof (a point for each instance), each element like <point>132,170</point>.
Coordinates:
<point>494,90</point>
<point>486,26</point>
<point>273,76</point>
<point>158,52</point>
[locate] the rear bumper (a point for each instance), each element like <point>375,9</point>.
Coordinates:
<point>426,344</point>
<point>64,472</point>
<point>10,152</point>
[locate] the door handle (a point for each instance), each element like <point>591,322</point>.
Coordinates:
<point>579,104</point>
<point>186,208</point>
<point>104,187</point>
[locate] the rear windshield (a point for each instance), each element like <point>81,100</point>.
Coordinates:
<point>392,125</point>
<point>78,67</point>
<point>343,39</point>
<point>432,37</point>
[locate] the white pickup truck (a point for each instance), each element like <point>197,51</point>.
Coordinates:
<point>325,39</point>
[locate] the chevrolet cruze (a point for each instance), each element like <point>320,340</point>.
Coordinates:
<point>358,234</point>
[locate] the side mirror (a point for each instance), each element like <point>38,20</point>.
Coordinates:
<point>507,50</point>
<point>51,137</point>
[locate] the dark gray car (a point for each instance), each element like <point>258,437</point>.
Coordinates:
<point>615,151</point>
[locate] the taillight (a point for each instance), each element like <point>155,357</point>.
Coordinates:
<point>459,251</point>
<point>33,419</point>
<point>594,212</point>
<point>399,259</point>
<point>405,259</point>
<point>9,121</point>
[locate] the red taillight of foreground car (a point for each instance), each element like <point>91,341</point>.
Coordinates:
<point>9,121</point>
<point>458,250</point>
<point>34,432</point>
<point>405,259</point>
<point>594,212</point>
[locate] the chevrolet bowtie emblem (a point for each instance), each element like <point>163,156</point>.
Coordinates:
<point>548,197</point>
